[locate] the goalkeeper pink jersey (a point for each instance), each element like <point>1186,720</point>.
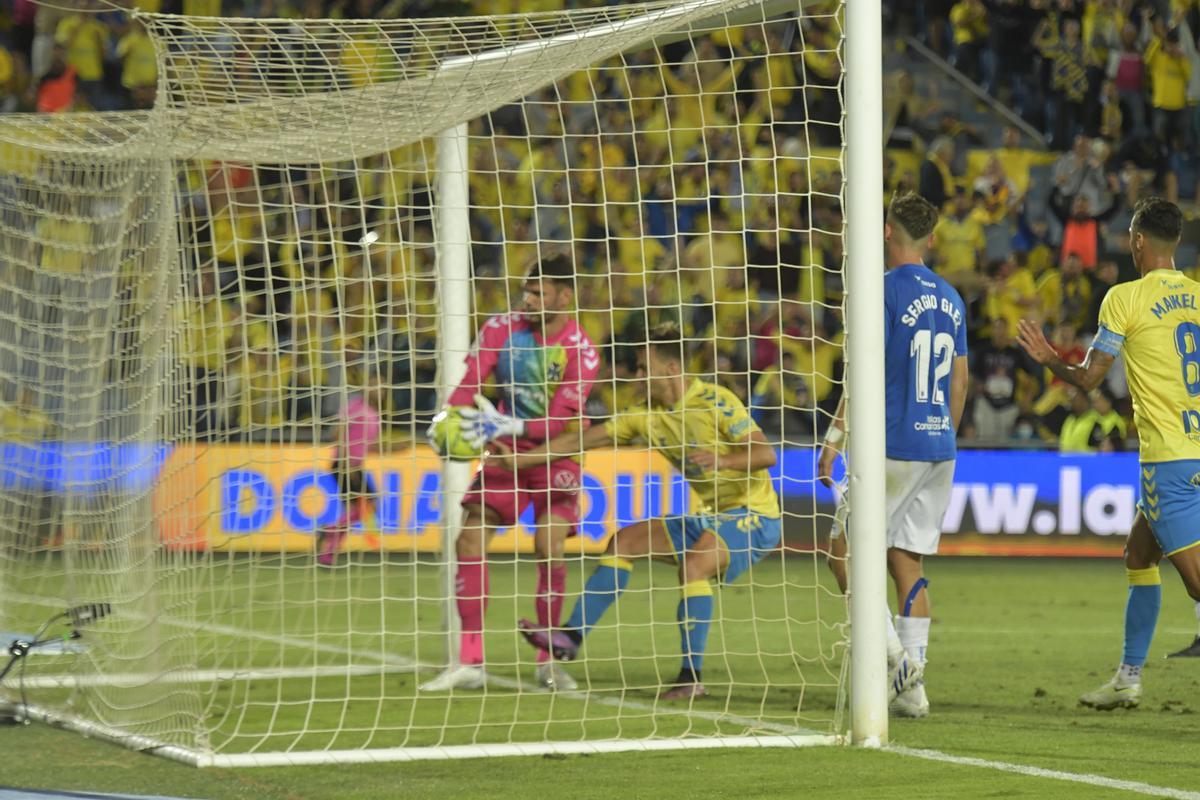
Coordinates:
<point>362,429</point>
<point>544,382</point>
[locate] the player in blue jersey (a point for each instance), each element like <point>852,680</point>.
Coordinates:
<point>925,355</point>
<point>1155,322</point>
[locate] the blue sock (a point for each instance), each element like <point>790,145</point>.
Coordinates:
<point>1141,614</point>
<point>601,591</point>
<point>694,615</point>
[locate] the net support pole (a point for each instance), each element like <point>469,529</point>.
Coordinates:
<point>865,371</point>
<point>454,341</point>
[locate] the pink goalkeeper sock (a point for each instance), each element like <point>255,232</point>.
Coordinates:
<point>470,649</point>
<point>552,581</point>
<point>471,584</point>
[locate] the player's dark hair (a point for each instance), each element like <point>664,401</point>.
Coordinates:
<point>666,340</point>
<point>914,214</point>
<point>558,268</point>
<point>1158,218</point>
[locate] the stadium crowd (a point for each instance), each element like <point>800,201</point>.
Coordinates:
<point>699,185</point>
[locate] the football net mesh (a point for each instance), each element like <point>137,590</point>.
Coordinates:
<point>195,297</point>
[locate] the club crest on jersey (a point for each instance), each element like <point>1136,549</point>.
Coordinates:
<point>565,480</point>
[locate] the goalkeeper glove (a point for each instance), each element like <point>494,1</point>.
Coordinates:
<point>490,424</point>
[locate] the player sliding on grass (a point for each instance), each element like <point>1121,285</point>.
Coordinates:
<point>706,434</point>
<point>1155,321</point>
<point>925,358</point>
<point>545,366</point>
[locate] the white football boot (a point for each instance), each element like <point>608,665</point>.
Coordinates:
<point>912,702</point>
<point>462,676</point>
<point>1113,694</point>
<point>553,678</point>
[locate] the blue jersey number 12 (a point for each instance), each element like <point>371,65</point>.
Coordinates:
<point>942,351</point>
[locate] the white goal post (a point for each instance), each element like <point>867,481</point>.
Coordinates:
<point>318,213</point>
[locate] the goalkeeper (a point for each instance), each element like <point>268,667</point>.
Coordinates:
<point>545,366</point>
<point>708,436</point>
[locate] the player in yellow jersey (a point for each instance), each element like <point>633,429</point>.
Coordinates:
<point>1155,322</point>
<point>707,434</point>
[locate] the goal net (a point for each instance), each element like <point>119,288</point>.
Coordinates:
<point>213,313</point>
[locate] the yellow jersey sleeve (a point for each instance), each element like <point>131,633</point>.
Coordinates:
<point>733,421</point>
<point>626,427</point>
<point>1113,321</point>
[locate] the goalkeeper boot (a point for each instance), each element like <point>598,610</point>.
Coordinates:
<point>912,702</point>
<point>1191,651</point>
<point>462,676</point>
<point>558,643</point>
<point>905,674</point>
<point>329,542</point>
<point>1114,694</point>
<point>553,678</point>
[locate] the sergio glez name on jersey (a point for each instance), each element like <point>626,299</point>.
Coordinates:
<point>930,302</point>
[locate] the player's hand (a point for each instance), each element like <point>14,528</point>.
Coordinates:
<point>825,466</point>
<point>490,424</point>
<point>500,455</point>
<point>704,459</point>
<point>1033,341</point>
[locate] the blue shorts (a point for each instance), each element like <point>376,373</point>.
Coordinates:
<point>1169,498</point>
<point>747,536</point>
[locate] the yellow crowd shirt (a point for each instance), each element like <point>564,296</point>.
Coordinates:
<point>709,417</point>
<point>1156,322</point>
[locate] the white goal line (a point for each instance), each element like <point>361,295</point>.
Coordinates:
<point>132,680</point>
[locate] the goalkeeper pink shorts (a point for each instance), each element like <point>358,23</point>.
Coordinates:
<point>552,488</point>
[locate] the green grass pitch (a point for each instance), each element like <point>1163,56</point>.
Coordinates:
<point>1014,642</point>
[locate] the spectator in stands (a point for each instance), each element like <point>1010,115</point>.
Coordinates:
<point>906,113</point>
<point>1066,294</point>
<point>139,65</point>
<point>85,39</point>
<point>1111,430</point>
<point>1068,81</point>
<point>936,183</point>
<point>969,24</point>
<point>1127,72</point>
<point>999,368</point>
<point>1011,24</point>
<point>1083,232</point>
<point>1169,71</point>
<point>1076,432</point>
<point>1112,118</point>
<point>959,243</point>
<point>1081,172</point>
<point>1000,195</point>
<point>1011,292</point>
<point>57,89</point>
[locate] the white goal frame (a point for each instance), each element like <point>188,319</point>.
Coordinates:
<point>863,146</point>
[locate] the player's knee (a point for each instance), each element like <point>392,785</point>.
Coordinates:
<point>1139,557</point>
<point>699,566</point>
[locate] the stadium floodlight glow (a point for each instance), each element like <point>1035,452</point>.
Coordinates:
<point>319,210</point>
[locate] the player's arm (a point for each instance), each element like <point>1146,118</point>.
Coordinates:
<point>565,445</point>
<point>480,362</point>
<point>749,449</point>
<point>749,454</point>
<point>960,378</point>
<point>829,448</point>
<point>1086,376</point>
